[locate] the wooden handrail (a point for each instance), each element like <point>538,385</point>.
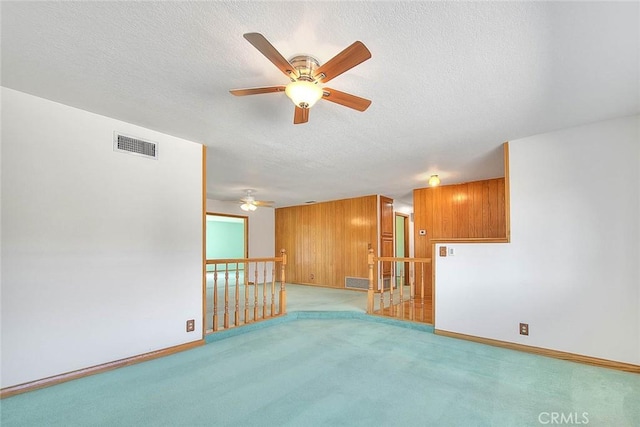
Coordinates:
<point>400,259</point>
<point>240,310</point>
<point>244,260</point>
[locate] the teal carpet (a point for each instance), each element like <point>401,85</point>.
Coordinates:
<point>313,370</point>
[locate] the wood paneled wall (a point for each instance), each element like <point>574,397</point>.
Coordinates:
<point>327,241</point>
<point>464,211</point>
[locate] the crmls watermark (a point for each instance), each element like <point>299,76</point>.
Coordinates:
<point>574,418</point>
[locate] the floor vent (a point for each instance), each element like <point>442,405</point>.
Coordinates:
<point>136,146</point>
<point>356,283</point>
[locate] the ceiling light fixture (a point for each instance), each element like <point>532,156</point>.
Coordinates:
<point>248,207</point>
<point>303,93</point>
<point>434,181</point>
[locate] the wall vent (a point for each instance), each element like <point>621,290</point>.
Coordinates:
<point>356,283</point>
<point>139,147</point>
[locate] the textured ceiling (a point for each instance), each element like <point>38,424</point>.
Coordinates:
<point>449,81</point>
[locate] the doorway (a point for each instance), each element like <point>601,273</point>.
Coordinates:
<point>402,248</point>
<point>226,237</point>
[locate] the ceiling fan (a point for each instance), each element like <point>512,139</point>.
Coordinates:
<point>249,203</point>
<point>307,75</point>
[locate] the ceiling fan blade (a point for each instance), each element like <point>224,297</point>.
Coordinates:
<point>257,90</point>
<point>262,44</point>
<point>301,115</point>
<point>345,60</point>
<point>345,99</point>
<point>263,203</point>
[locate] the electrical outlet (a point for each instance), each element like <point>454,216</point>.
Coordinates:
<point>524,329</point>
<point>443,251</point>
<point>191,325</point>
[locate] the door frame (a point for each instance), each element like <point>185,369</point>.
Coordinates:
<point>246,228</point>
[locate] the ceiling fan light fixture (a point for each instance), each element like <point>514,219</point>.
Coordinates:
<point>434,181</point>
<point>304,94</point>
<point>248,207</point>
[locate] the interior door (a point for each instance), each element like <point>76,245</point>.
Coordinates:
<point>387,225</point>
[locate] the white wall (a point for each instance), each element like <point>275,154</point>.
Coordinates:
<point>101,251</point>
<point>262,231</point>
<point>572,269</point>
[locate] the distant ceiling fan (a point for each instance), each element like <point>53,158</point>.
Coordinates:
<point>250,204</point>
<point>307,74</point>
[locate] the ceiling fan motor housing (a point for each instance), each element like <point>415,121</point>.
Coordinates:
<point>306,66</point>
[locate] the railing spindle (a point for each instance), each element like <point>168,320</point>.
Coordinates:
<point>370,299</point>
<point>422,282</point>
<point>246,292</point>
<point>401,286</point>
<point>215,297</point>
<point>264,293</point>
<point>273,291</point>
<point>255,292</point>
<point>236,312</point>
<point>226,296</point>
<point>283,291</point>
<point>381,294</point>
<point>412,280</point>
<point>412,290</point>
<point>391,288</point>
